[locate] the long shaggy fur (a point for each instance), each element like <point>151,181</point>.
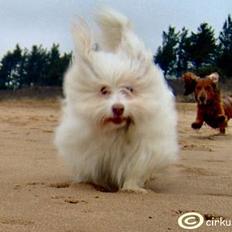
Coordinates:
<point>108,147</point>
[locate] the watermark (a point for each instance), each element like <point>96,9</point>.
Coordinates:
<point>190,221</point>
<point>194,220</point>
<point>219,222</point>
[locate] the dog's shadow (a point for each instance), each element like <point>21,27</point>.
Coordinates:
<point>214,136</point>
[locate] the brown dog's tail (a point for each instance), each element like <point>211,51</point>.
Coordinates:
<point>227,103</point>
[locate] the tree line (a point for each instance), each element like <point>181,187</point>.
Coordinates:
<point>180,51</point>
<point>198,51</point>
<point>36,67</point>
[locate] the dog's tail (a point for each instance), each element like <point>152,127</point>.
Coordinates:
<point>113,26</point>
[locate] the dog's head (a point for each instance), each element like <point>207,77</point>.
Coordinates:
<point>205,89</point>
<point>111,88</point>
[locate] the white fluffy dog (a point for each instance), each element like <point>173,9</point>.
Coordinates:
<point>119,119</point>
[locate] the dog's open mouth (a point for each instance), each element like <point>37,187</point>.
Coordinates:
<point>118,120</point>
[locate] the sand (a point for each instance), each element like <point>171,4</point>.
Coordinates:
<point>36,193</point>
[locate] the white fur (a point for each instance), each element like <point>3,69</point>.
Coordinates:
<point>122,156</point>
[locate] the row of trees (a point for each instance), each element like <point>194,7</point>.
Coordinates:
<point>36,67</point>
<point>181,50</point>
<point>200,52</point>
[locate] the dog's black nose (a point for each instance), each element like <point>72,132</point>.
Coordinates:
<point>118,109</point>
<point>202,98</point>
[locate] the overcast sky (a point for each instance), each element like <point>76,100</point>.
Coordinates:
<point>29,22</point>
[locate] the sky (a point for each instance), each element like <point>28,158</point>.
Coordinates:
<point>45,22</point>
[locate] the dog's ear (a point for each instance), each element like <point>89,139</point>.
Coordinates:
<point>119,37</point>
<point>83,39</point>
<point>215,80</point>
<point>112,25</point>
<point>214,77</point>
<point>190,80</point>
<point>85,48</point>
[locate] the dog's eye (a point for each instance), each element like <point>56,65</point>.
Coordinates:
<point>105,91</point>
<point>130,89</point>
<point>127,91</point>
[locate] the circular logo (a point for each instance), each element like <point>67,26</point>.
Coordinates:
<point>190,221</point>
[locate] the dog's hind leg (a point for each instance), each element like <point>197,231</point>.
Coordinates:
<point>223,126</point>
<point>222,130</point>
<point>222,121</point>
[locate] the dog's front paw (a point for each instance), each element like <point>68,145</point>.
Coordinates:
<point>220,118</point>
<point>134,190</point>
<point>196,125</point>
<point>132,187</point>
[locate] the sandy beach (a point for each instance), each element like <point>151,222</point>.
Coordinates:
<point>37,194</point>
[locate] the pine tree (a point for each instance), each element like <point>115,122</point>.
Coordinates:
<point>183,57</point>
<point>57,65</point>
<point>36,66</point>
<point>54,67</point>
<point>166,54</point>
<point>11,70</point>
<point>224,60</point>
<point>202,46</point>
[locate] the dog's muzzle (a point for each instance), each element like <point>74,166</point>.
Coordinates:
<point>202,100</point>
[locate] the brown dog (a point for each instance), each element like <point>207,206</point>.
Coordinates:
<point>211,108</point>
